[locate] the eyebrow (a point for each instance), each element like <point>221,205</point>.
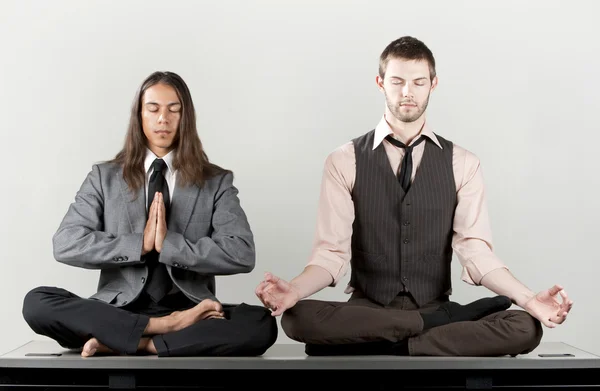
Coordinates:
<point>418,78</point>
<point>170,104</point>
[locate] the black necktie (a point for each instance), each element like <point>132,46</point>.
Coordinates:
<point>159,283</point>
<point>158,183</point>
<point>407,166</point>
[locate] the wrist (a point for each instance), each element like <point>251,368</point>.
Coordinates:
<point>523,298</point>
<point>296,290</point>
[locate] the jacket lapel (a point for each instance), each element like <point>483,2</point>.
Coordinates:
<point>134,204</point>
<point>182,206</point>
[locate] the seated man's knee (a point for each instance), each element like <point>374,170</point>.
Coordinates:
<point>298,322</point>
<point>288,323</point>
<point>266,335</point>
<point>528,332</point>
<point>257,332</point>
<point>32,304</point>
<point>35,307</point>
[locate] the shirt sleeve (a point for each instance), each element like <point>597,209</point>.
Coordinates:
<point>335,215</point>
<point>472,237</point>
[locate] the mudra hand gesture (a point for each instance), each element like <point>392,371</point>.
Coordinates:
<point>546,307</point>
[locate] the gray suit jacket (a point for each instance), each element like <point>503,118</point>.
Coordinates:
<point>208,235</point>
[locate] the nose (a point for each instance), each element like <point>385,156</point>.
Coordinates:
<point>163,118</point>
<point>406,91</point>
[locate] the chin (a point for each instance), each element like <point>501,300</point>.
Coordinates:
<point>163,145</point>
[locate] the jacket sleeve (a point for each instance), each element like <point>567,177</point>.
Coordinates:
<point>228,250</point>
<point>80,240</point>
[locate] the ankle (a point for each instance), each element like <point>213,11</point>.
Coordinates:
<point>161,325</point>
<point>168,324</point>
<point>400,348</point>
<point>439,317</point>
<point>150,348</point>
<point>143,344</point>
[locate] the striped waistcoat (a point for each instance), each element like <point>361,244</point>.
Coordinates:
<point>402,242</point>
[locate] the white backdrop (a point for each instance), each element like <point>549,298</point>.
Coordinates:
<point>278,85</point>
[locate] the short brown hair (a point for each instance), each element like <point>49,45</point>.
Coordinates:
<point>407,48</point>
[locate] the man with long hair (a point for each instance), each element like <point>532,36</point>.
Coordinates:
<point>160,222</point>
<point>396,202</point>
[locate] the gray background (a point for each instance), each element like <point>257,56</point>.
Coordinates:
<point>278,85</point>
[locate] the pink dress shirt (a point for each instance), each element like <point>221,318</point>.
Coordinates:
<point>472,236</point>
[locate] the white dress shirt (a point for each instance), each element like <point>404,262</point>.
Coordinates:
<point>170,174</point>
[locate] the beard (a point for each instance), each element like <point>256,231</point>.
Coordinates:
<point>413,115</point>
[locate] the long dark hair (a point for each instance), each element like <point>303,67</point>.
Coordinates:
<point>189,158</point>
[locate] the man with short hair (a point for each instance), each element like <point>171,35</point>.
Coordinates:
<point>160,222</point>
<point>395,203</point>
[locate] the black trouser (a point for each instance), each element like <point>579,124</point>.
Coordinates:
<point>247,330</point>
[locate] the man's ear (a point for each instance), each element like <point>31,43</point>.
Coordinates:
<point>434,83</point>
<point>379,82</point>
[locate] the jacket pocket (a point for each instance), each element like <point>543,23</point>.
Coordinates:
<point>106,295</point>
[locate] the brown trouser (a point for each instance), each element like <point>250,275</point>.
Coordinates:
<point>360,320</point>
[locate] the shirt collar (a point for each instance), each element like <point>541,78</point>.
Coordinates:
<point>383,129</point>
<point>150,157</point>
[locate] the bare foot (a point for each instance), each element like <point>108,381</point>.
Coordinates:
<point>209,309</point>
<point>93,346</point>
<point>206,309</point>
<point>178,320</point>
<point>149,347</point>
<point>146,346</point>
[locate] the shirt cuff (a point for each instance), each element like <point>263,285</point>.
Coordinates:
<point>336,268</point>
<point>473,271</point>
